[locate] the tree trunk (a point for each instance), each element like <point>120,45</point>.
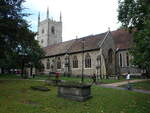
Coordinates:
<point>22,68</point>
<point>2,70</point>
<point>31,69</point>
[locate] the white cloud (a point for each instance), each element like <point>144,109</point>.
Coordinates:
<point>80,17</point>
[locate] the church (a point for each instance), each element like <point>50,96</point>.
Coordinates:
<point>105,54</point>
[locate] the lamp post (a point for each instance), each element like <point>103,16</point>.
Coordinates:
<point>67,63</point>
<point>83,40</point>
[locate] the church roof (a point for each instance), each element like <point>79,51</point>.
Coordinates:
<point>121,38</point>
<point>73,46</point>
<point>59,48</point>
<point>90,43</point>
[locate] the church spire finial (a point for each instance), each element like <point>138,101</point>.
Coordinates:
<point>47,12</point>
<point>60,17</point>
<point>108,28</point>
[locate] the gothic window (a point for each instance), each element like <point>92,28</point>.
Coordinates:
<point>110,56</point>
<point>53,30</point>
<point>87,61</point>
<point>127,59</point>
<point>58,63</point>
<point>120,59</point>
<point>75,62</point>
<point>48,64</point>
<point>42,31</point>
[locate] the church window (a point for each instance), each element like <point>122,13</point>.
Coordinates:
<point>87,61</point>
<point>120,59</point>
<point>75,62</point>
<point>110,56</point>
<point>127,58</point>
<point>53,30</point>
<point>58,63</point>
<point>48,64</point>
<point>42,31</point>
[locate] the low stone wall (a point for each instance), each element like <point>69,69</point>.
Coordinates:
<point>75,92</point>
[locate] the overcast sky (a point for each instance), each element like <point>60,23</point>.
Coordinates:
<point>80,17</point>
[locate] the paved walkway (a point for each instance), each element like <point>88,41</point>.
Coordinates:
<point>115,86</point>
<point>124,82</point>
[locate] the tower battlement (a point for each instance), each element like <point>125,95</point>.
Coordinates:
<point>49,31</point>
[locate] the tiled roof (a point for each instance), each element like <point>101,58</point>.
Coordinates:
<point>90,42</point>
<point>122,39</point>
<point>59,48</point>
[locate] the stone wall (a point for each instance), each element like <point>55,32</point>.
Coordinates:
<point>105,47</point>
<point>87,71</point>
<point>74,71</point>
<point>124,69</point>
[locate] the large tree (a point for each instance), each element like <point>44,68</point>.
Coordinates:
<point>135,17</point>
<point>17,44</point>
<point>11,21</point>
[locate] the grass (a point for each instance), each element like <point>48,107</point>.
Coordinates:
<point>77,79</point>
<point>145,85</point>
<point>103,81</point>
<point>17,97</point>
<point>10,76</point>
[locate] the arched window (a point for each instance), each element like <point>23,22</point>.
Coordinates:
<point>127,58</point>
<point>53,30</point>
<point>75,62</point>
<point>120,59</point>
<point>87,61</point>
<point>110,56</point>
<point>58,63</point>
<point>48,64</point>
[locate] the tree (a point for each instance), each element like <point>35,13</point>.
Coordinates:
<point>11,20</point>
<point>17,44</point>
<point>135,17</point>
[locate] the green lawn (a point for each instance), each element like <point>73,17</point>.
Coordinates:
<point>145,85</point>
<point>78,79</point>
<point>10,76</point>
<point>17,97</point>
<point>103,81</point>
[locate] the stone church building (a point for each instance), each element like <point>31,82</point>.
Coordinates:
<point>104,54</point>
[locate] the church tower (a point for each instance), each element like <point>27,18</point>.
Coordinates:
<point>49,31</point>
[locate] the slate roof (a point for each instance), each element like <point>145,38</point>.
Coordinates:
<point>121,38</point>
